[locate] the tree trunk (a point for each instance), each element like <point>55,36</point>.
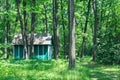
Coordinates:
<point>45,13</point>
<point>33,14</point>
<point>16,20</point>
<point>25,31</point>
<point>7,28</point>
<point>85,30</point>
<point>95,29</point>
<point>64,35</point>
<point>71,24</point>
<point>55,29</point>
<point>22,28</point>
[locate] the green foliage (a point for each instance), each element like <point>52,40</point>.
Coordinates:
<point>108,39</point>
<point>108,31</point>
<point>2,46</point>
<point>56,69</point>
<point>108,52</point>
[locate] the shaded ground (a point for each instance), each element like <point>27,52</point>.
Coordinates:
<point>104,72</point>
<point>56,70</point>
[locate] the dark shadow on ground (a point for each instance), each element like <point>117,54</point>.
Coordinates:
<point>98,72</point>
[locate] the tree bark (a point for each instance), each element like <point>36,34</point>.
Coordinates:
<point>71,24</point>
<point>64,34</point>
<point>33,20</point>
<point>7,28</point>
<point>25,30</point>
<point>0,9</point>
<point>95,29</point>
<point>46,21</point>
<point>85,30</point>
<point>22,26</point>
<point>16,20</point>
<point>55,29</point>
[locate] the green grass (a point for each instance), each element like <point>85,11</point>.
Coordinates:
<point>57,70</point>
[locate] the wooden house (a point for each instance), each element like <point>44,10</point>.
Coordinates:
<point>42,45</point>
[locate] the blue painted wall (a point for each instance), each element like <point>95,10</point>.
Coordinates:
<point>41,52</point>
<point>18,52</point>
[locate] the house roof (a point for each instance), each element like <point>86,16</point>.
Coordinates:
<point>39,39</point>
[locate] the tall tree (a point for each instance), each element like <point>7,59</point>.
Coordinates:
<point>85,30</point>
<point>71,25</point>
<point>45,13</point>
<point>95,29</point>
<point>7,28</point>
<point>33,21</point>
<point>22,26</point>
<point>16,20</point>
<point>25,30</point>
<point>64,34</point>
<point>55,29</point>
<point>0,8</point>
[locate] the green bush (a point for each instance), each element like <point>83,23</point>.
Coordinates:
<point>109,49</point>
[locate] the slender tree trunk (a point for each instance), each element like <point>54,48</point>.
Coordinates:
<point>95,29</point>
<point>7,28</point>
<point>33,15</point>
<point>85,30</point>
<point>45,13</point>
<point>71,24</point>
<point>22,28</point>
<point>16,20</point>
<point>20,18</point>
<point>55,29</point>
<point>64,35</point>
<point>0,10</point>
<point>53,14</point>
<point>25,31</point>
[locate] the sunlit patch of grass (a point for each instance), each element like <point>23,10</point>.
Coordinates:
<point>111,69</point>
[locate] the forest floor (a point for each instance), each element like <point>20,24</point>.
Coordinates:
<point>57,70</point>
